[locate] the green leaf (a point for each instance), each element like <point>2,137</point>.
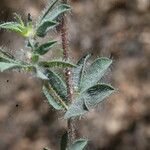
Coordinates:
<point>40,74</point>
<point>96,94</point>
<point>19,19</point>
<point>3,59</point>
<point>5,65</point>
<point>77,108</point>
<point>56,63</point>
<point>11,26</point>
<point>31,43</point>
<point>44,27</point>
<point>64,140</point>
<point>78,71</point>
<point>51,100</point>
<point>5,56</point>
<point>47,20</point>
<point>47,10</point>
<point>57,84</point>
<point>44,48</point>
<point>18,28</point>
<point>79,144</point>
<point>57,12</point>
<point>95,72</point>
<point>28,31</point>
<point>35,58</point>
<point>89,99</point>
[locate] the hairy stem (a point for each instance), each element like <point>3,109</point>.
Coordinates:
<point>70,122</point>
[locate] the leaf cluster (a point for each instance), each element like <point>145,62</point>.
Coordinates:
<point>31,31</point>
<point>54,87</point>
<point>88,90</point>
<point>46,22</point>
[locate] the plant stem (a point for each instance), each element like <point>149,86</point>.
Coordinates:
<point>70,122</point>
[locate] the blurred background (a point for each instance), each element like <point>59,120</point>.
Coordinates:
<point>119,29</point>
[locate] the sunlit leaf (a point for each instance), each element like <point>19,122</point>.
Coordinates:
<point>28,30</point>
<point>11,26</point>
<point>18,28</point>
